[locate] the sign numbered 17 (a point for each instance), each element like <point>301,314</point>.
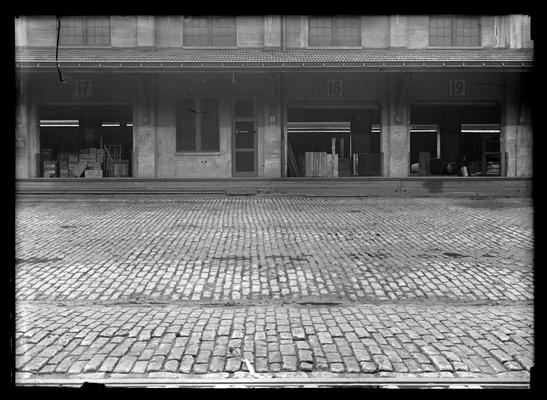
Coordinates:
<point>83,88</point>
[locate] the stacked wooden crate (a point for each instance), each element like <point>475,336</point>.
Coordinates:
<point>63,169</point>
<point>493,168</point>
<point>93,159</point>
<point>50,169</point>
<point>63,160</point>
<point>72,163</point>
<point>84,156</point>
<point>93,173</point>
<point>100,156</point>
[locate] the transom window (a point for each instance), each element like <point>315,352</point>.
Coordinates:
<point>197,125</point>
<point>334,31</point>
<point>447,31</point>
<point>209,31</point>
<point>85,31</point>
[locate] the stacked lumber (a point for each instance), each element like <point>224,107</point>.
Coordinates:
<point>66,163</point>
<point>320,164</point>
<point>63,169</point>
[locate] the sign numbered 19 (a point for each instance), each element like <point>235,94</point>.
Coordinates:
<point>335,88</point>
<point>456,87</point>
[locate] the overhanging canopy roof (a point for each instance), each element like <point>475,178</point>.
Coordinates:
<point>295,59</point>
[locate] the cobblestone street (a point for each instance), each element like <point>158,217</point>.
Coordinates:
<point>194,285</point>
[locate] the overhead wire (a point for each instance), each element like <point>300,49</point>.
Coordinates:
<point>57,52</point>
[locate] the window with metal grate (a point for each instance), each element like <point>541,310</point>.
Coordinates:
<point>209,31</point>
<point>334,31</point>
<point>454,31</point>
<point>85,31</point>
<point>197,125</point>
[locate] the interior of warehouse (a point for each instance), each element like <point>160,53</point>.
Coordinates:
<point>455,140</point>
<point>334,142</point>
<point>91,140</point>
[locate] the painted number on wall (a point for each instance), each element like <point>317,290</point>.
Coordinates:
<point>456,88</point>
<point>83,89</point>
<point>334,88</point>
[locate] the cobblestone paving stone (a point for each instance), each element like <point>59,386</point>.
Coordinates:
<point>352,286</point>
<point>376,339</point>
<point>261,249</point>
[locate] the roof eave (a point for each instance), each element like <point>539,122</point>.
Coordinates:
<point>282,66</point>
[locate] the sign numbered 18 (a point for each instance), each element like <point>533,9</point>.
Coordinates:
<point>456,87</point>
<point>334,88</point>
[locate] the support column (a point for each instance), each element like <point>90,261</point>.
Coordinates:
<point>272,129</point>
<point>33,139</point>
<point>144,130</point>
<point>509,125</point>
<point>272,31</point>
<point>398,157</point>
<point>22,164</point>
<point>385,121</point>
<point>525,144</point>
<point>283,121</point>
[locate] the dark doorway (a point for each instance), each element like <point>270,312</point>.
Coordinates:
<point>449,137</point>
<point>94,139</point>
<point>354,133</point>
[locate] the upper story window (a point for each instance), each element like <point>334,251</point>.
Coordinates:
<point>334,31</point>
<point>209,32</point>
<point>85,31</point>
<point>454,31</point>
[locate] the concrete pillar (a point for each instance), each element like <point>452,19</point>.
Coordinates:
<point>145,31</point>
<point>525,151</point>
<point>398,31</point>
<point>524,159</point>
<point>20,31</point>
<point>21,132</point>
<point>250,31</point>
<point>417,31</point>
<point>144,129</point>
<point>515,31</point>
<point>272,129</point>
<point>527,41</point>
<point>398,157</point>
<point>272,31</point>
<point>509,125</point>
<point>33,139</point>
<point>123,31</point>
<point>385,141</point>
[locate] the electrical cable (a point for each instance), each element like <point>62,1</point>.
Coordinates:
<point>57,52</point>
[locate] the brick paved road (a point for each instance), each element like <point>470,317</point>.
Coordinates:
<point>415,286</point>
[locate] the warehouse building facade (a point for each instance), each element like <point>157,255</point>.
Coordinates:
<point>273,96</point>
